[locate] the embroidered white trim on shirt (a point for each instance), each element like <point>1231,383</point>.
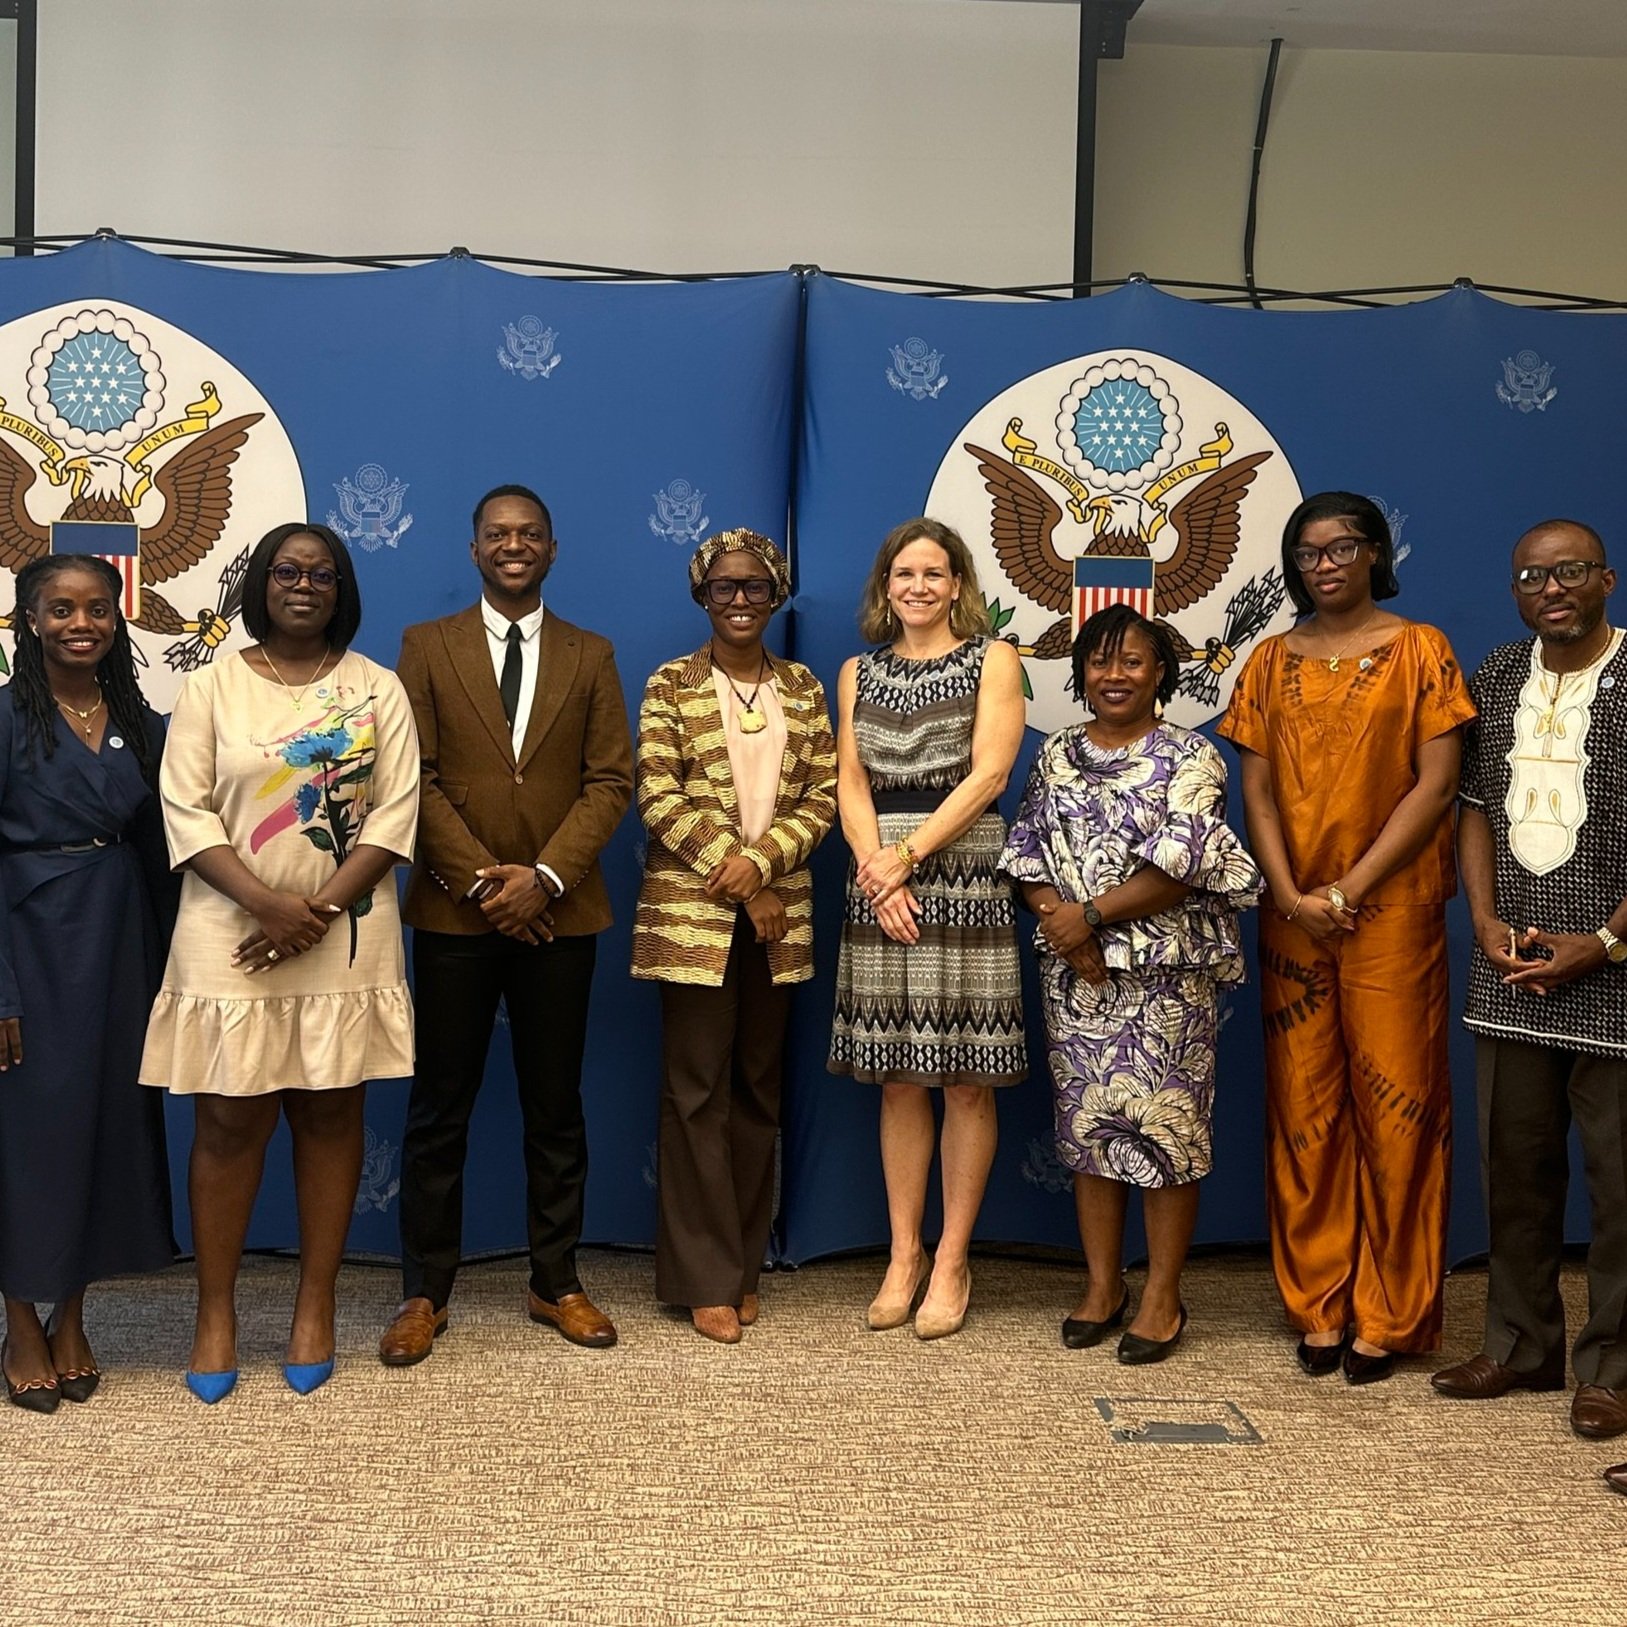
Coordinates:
<point>1547,797</point>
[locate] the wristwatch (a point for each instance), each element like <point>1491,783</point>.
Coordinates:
<point>1093,916</point>
<point>1615,949</point>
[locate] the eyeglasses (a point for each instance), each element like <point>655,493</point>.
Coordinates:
<point>723,592</point>
<point>320,577</point>
<point>1568,573</point>
<point>1342,552</point>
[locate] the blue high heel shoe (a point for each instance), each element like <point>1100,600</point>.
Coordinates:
<point>211,1387</point>
<point>305,1376</point>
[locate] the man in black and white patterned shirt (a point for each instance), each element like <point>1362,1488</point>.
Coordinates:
<point>1542,846</point>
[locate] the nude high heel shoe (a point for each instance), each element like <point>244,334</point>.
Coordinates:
<point>932,1324</point>
<point>893,1311</point>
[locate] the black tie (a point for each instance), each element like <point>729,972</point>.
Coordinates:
<point>509,688</point>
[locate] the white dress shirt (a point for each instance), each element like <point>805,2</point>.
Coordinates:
<point>530,625</point>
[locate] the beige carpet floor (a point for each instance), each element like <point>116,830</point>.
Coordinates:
<point>817,1473</point>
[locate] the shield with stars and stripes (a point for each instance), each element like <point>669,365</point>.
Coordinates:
<point>116,541</point>
<point>1100,580</point>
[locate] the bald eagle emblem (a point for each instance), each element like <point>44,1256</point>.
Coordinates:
<point>96,390</point>
<point>1095,491</point>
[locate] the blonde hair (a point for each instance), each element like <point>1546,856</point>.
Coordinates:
<point>968,616</point>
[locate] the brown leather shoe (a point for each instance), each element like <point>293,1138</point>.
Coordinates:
<point>1482,1379</point>
<point>747,1309</point>
<point>412,1335</point>
<point>1598,1414</point>
<point>720,1323</point>
<point>577,1317</point>
<point>1615,1477</point>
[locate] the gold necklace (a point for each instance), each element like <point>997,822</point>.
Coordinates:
<point>296,699</point>
<point>86,717</point>
<point>1366,661</point>
<point>1547,725</point>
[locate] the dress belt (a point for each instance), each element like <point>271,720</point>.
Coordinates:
<point>924,800</point>
<point>61,847</point>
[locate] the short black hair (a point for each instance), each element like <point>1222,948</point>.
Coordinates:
<point>1105,632</point>
<point>1566,525</point>
<point>510,491</point>
<point>1368,519</point>
<point>346,620</point>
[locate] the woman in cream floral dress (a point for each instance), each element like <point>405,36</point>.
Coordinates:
<point>290,791</point>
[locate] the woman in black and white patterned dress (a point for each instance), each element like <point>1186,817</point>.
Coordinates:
<point>927,988</point>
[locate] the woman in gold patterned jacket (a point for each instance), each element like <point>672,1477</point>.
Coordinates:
<point>737,786</point>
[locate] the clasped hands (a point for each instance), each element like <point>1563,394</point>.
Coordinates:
<point>883,877</point>
<point>1538,960</point>
<point>287,925</point>
<point>517,902</point>
<point>1070,937</point>
<point>737,880</point>
<point>1320,916</point>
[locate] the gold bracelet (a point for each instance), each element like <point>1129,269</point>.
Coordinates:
<point>1295,910</point>
<point>907,853</point>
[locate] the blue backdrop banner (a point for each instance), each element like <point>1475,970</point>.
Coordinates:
<point>385,403</point>
<point>1038,430</point>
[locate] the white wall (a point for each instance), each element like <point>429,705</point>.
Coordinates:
<point>930,138</point>
<point>1381,168</point>
<point>926,138</point>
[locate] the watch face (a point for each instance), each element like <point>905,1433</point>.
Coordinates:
<point>1093,915</point>
<point>1617,952</point>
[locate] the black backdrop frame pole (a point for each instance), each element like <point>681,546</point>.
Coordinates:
<point>1101,34</point>
<point>26,15</point>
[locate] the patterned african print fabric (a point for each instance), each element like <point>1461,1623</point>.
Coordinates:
<point>1547,766</point>
<point>1133,1059</point>
<point>948,1009</point>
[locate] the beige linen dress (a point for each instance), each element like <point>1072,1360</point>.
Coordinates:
<point>292,788</point>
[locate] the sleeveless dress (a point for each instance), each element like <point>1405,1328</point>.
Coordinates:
<point>948,1009</point>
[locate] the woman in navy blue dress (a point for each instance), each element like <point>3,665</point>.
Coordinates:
<point>84,1184</point>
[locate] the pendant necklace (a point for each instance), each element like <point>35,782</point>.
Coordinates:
<point>1547,725</point>
<point>1367,660</point>
<point>750,720</point>
<point>296,697</point>
<point>87,716</point>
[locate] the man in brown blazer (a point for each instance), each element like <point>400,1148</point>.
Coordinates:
<point>527,769</point>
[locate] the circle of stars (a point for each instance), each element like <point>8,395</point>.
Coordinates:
<point>96,382</point>
<point>1119,425</point>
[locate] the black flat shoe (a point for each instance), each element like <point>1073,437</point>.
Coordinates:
<point>1319,1360</point>
<point>1134,1351</point>
<point>1360,1369</point>
<point>1078,1334</point>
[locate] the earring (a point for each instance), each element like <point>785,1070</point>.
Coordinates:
<point>1158,710</point>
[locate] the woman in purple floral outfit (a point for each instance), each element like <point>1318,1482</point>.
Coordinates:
<point>1122,850</point>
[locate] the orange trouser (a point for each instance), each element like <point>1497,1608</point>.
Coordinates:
<point>1359,1123</point>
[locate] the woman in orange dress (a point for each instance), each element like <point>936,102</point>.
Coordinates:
<point>1349,730</point>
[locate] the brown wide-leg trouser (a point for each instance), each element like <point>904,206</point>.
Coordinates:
<point>720,1113</point>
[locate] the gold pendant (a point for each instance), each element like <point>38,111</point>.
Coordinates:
<point>751,721</point>
<point>1333,664</point>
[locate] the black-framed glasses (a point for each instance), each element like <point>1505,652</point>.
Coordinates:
<point>723,591</point>
<point>321,577</point>
<point>1342,552</point>
<point>1568,573</point>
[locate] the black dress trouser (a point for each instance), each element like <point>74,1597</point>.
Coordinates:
<point>458,981</point>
